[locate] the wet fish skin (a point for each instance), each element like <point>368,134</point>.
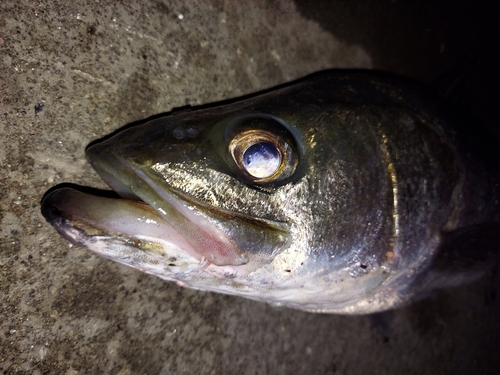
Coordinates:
<point>377,202</point>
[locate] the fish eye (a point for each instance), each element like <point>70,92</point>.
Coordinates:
<point>262,159</point>
<point>263,156</point>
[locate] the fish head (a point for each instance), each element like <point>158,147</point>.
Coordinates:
<point>287,198</point>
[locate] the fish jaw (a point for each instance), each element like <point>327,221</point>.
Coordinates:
<point>125,231</point>
<point>132,233</point>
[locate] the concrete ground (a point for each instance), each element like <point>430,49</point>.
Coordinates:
<point>95,66</point>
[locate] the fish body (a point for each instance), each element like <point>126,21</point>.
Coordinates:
<point>342,193</point>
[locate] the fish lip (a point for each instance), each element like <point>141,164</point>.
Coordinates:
<point>55,216</point>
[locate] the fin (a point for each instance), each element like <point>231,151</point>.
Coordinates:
<point>464,255</point>
<point>383,322</point>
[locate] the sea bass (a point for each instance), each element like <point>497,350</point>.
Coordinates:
<point>344,192</point>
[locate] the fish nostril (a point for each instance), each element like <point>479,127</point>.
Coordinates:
<point>179,133</point>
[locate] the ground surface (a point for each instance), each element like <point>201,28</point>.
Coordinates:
<point>98,65</point>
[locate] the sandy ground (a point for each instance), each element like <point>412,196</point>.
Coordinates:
<point>95,66</point>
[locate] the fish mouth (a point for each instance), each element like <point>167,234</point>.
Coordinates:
<point>123,230</point>
<point>151,225</point>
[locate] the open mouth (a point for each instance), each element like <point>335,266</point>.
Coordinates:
<point>126,231</point>
<point>168,223</point>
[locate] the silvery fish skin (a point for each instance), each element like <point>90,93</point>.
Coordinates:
<point>341,193</point>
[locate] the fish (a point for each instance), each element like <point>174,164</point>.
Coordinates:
<point>345,192</point>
